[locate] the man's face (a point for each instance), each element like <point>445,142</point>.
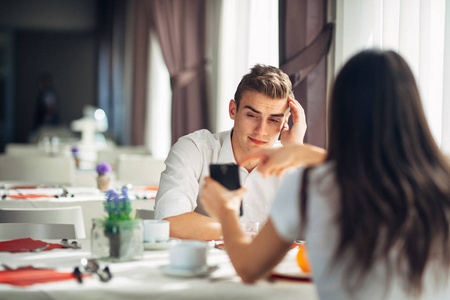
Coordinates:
<point>257,122</point>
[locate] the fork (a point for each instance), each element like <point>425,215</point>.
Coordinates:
<point>38,249</point>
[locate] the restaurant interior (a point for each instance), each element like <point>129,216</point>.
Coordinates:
<point>95,92</point>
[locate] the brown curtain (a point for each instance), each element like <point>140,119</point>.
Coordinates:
<point>305,39</point>
<point>140,56</point>
<point>181,28</point>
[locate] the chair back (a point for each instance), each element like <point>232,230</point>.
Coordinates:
<point>37,231</point>
<point>58,215</point>
<point>21,149</point>
<point>111,155</point>
<point>139,169</point>
<point>38,169</point>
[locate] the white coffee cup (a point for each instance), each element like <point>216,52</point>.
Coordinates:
<point>188,255</point>
<point>156,231</point>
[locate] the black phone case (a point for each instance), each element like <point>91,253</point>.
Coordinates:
<point>228,176</point>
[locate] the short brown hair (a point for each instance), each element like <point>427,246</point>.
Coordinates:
<point>267,80</point>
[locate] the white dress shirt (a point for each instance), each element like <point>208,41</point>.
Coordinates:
<point>188,163</point>
<point>322,236</point>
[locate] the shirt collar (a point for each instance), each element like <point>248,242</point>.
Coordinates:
<point>226,155</point>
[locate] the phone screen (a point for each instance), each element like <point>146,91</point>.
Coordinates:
<point>228,176</point>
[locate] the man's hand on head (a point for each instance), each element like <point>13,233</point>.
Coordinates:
<point>296,134</point>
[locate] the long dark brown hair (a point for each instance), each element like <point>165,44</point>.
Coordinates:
<point>393,179</point>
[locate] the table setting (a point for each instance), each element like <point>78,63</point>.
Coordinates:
<point>127,258</point>
<point>52,274</point>
<point>184,269</point>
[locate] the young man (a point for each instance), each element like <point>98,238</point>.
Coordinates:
<point>260,111</point>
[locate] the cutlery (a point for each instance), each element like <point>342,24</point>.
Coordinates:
<point>38,249</point>
<point>18,192</point>
<point>6,267</point>
<point>73,245</point>
<point>92,266</point>
<point>65,193</point>
<point>77,273</point>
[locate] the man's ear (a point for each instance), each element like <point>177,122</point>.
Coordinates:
<point>232,108</point>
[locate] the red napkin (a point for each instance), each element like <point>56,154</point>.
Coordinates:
<point>26,243</point>
<point>29,275</point>
<point>146,188</point>
<point>23,187</point>
<point>28,196</point>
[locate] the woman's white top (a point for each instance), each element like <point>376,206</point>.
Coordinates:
<point>322,236</point>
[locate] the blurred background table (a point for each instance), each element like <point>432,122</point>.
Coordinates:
<point>89,199</point>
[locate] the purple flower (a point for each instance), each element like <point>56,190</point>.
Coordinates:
<point>75,150</point>
<point>103,168</point>
<point>117,205</point>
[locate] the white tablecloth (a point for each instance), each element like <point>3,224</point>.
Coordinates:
<point>144,279</point>
<point>90,200</point>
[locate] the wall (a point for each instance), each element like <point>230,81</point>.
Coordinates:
<point>58,37</point>
<point>70,58</point>
<point>48,14</point>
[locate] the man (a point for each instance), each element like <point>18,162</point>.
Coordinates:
<point>260,111</point>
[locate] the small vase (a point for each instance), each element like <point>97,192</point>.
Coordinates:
<point>118,240</point>
<point>77,162</point>
<point>103,182</point>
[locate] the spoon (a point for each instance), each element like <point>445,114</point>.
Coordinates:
<point>92,266</point>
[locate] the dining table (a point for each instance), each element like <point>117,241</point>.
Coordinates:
<point>90,199</point>
<point>145,279</point>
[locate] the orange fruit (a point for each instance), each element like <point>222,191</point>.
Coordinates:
<point>302,259</point>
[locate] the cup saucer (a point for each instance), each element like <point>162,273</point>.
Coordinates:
<point>199,272</point>
<point>161,245</point>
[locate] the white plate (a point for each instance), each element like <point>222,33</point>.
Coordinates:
<point>288,267</point>
<point>160,245</point>
<point>203,271</point>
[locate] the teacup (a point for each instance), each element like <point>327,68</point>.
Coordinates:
<point>156,231</point>
<point>188,255</point>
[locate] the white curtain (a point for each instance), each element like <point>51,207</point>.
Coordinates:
<point>248,34</point>
<point>417,29</point>
<point>159,102</point>
<point>240,34</point>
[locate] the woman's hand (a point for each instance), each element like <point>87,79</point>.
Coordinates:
<point>218,200</point>
<point>276,161</point>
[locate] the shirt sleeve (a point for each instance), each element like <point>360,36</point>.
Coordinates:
<point>179,184</point>
<point>285,210</point>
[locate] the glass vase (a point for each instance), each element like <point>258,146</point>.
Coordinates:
<point>117,240</point>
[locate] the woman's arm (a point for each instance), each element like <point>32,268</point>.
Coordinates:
<point>275,161</point>
<point>252,259</point>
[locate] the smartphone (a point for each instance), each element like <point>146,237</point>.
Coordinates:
<point>228,176</point>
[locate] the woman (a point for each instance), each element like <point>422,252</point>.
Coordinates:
<point>374,210</point>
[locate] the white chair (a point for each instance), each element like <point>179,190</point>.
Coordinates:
<point>145,214</point>
<point>139,169</point>
<point>38,169</point>
<point>37,231</point>
<point>59,215</point>
<point>111,155</point>
<point>21,149</point>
